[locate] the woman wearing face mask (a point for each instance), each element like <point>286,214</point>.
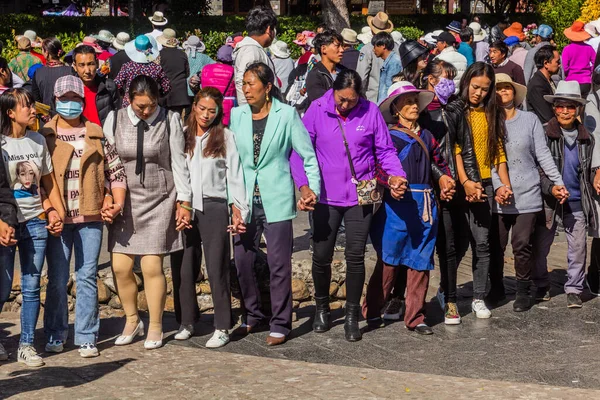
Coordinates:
<point>150,142</point>
<point>45,77</point>
<point>89,171</point>
<point>266,132</point>
<point>217,184</point>
<point>478,103</point>
<point>526,150</point>
<point>37,214</point>
<point>340,122</point>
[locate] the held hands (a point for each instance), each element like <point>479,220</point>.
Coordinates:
<point>447,188</point>
<point>398,186</point>
<point>308,199</point>
<point>183,217</point>
<point>474,192</point>
<point>237,223</point>
<point>561,193</point>
<point>503,195</point>
<point>7,234</point>
<point>55,224</point>
<point>110,210</point>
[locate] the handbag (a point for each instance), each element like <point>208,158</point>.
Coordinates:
<point>369,192</point>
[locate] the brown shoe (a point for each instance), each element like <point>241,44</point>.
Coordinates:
<point>274,341</point>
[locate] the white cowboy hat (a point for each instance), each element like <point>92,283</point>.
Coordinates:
<point>520,90</point>
<point>280,49</point>
<point>566,90</point>
<point>365,35</point>
<point>143,49</point>
<point>399,89</point>
<point>120,41</point>
<point>478,33</point>
<point>349,36</point>
<point>158,19</point>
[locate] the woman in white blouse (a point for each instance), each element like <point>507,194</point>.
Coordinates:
<point>218,190</point>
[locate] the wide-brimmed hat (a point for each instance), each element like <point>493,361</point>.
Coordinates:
<point>23,43</point>
<point>33,38</point>
<point>399,89</point>
<point>168,38</point>
<point>454,26</point>
<point>158,19</point>
<point>566,90</point>
<point>576,32</point>
<point>398,37</point>
<point>120,41</point>
<point>520,90</point>
<point>104,36</point>
<point>143,49</point>
<point>515,29</point>
<point>366,35</point>
<point>431,37</point>
<point>593,28</point>
<point>478,33</point>
<point>91,41</point>
<point>380,23</point>
<point>279,49</point>
<point>544,31</point>
<point>410,51</point>
<point>194,42</point>
<point>225,54</point>
<point>349,36</point>
<point>69,83</point>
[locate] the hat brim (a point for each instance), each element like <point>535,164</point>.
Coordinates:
<point>551,97</point>
<point>165,42</point>
<point>351,43</point>
<point>118,45</point>
<point>103,39</point>
<point>364,38</point>
<point>576,36</point>
<point>279,54</point>
<point>520,92</point>
<point>163,23</point>
<point>425,97</point>
<point>377,30</point>
<point>479,38</point>
<point>138,56</point>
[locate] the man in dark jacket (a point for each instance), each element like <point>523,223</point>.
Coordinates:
<point>101,94</point>
<point>330,46</point>
<point>350,57</point>
<point>547,61</point>
<point>177,67</point>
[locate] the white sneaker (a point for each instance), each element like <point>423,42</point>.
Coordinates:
<point>28,356</point>
<point>3,353</point>
<point>219,339</point>
<point>185,332</point>
<point>56,346</point>
<point>480,309</point>
<point>88,350</point>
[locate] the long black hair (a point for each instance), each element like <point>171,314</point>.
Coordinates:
<point>266,76</point>
<point>493,112</point>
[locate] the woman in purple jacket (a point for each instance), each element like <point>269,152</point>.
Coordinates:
<point>340,116</point>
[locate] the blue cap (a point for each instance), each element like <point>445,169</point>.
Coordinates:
<point>142,43</point>
<point>511,40</point>
<point>544,31</point>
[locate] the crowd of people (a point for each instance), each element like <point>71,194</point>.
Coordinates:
<point>468,136</point>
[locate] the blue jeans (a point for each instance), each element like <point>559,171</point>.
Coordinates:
<point>31,240</point>
<point>84,240</point>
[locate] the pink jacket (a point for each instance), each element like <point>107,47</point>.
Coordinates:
<point>220,76</point>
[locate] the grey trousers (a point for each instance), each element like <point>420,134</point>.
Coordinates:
<point>576,232</point>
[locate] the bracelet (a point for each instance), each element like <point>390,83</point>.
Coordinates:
<point>49,210</point>
<point>120,207</point>
<point>466,180</point>
<point>185,207</point>
<point>108,195</point>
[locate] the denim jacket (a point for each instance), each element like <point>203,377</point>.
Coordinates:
<point>391,66</point>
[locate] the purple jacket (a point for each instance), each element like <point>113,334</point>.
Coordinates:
<point>368,140</point>
<point>578,62</point>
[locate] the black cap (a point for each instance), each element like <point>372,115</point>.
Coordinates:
<point>410,51</point>
<point>445,37</point>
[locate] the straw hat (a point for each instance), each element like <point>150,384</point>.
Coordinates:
<point>33,38</point>
<point>365,35</point>
<point>143,49</point>
<point>280,49</point>
<point>400,89</point>
<point>520,90</point>
<point>515,29</point>
<point>23,43</point>
<point>158,19</point>
<point>350,36</point>
<point>478,33</point>
<point>120,40</point>
<point>104,36</point>
<point>576,32</point>
<point>566,90</point>
<point>380,23</point>
<point>168,38</point>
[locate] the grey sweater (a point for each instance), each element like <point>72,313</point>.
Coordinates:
<point>526,149</point>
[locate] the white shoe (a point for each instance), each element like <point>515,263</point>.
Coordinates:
<point>88,350</point>
<point>3,353</point>
<point>480,309</point>
<point>138,331</point>
<point>219,339</point>
<point>153,344</point>
<point>185,332</point>
<point>56,346</point>
<point>28,356</point>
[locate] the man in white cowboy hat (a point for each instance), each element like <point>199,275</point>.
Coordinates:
<point>350,57</point>
<point>571,146</point>
<point>369,66</point>
<point>284,65</point>
<point>120,57</point>
<point>176,65</point>
<point>158,22</point>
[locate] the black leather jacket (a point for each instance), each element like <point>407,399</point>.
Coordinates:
<point>455,129</point>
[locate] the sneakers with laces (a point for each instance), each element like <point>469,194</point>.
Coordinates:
<point>219,339</point>
<point>28,356</point>
<point>441,299</point>
<point>56,346</point>
<point>3,353</point>
<point>185,332</point>
<point>88,350</point>
<point>480,309</point>
<point>451,315</point>
<point>393,309</point>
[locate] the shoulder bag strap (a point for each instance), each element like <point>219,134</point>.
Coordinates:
<point>416,137</point>
<point>347,150</point>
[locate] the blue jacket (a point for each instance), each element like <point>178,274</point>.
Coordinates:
<point>467,51</point>
<point>391,66</point>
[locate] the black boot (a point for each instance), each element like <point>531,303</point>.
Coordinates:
<point>351,324</point>
<point>523,301</point>
<point>322,322</point>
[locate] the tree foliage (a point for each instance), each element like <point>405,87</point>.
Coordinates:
<point>590,11</point>
<point>560,14</point>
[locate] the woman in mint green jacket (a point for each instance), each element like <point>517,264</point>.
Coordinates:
<point>266,131</point>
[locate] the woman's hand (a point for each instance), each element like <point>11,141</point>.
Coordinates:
<point>474,191</point>
<point>183,217</point>
<point>560,193</point>
<point>55,224</point>
<point>7,234</point>
<point>237,223</point>
<point>308,199</point>
<point>398,186</point>
<point>113,211</point>
<point>447,188</point>
<point>503,195</point>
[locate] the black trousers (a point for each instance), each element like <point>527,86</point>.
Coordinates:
<point>327,220</point>
<point>209,231</point>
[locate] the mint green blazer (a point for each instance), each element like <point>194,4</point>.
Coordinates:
<point>284,132</point>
